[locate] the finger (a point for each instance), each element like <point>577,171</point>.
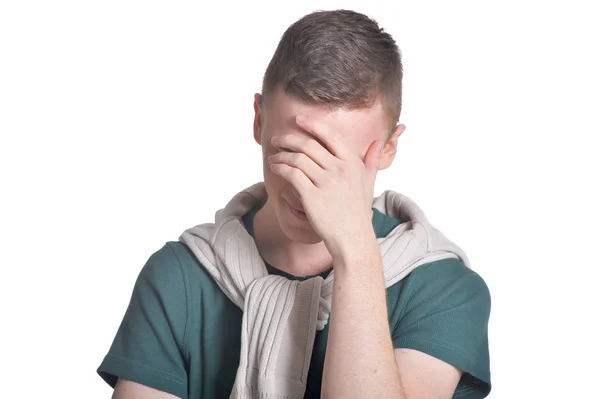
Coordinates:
<point>301,183</point>
<point>373,157</point>
<point>300,161</point>
<point>306,145</point>
<point>333,141</point>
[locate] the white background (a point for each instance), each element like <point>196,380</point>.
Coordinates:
<point>124,122</point>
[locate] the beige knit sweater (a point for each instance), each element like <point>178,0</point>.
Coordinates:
<point>281,316</point>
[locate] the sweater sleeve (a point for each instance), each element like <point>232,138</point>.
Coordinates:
<point>149,346</point>
<point>443,310</point>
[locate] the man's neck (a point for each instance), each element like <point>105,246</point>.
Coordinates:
<point>292,257</point>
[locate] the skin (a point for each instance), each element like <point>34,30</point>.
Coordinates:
<point>284,241</point>
<point>324,163</point>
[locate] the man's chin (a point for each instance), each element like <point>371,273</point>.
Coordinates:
<point>296,229</point>
<point>302,236</point>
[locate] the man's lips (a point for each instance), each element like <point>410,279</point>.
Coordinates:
<point>298,208</point>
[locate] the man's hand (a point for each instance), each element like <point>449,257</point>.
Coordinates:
<point>333,183</point>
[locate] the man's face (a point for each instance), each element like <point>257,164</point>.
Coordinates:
<point>277,117</point>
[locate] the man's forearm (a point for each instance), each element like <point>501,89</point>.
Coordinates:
<point>360,359</point>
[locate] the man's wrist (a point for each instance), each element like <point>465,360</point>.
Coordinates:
<point>360,250</point>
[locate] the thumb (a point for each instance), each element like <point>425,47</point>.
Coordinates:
<point>373,156</point>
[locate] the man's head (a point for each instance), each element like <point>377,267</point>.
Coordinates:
<point>341,67</point>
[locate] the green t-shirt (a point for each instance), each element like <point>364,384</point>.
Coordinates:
<point>181,334</point>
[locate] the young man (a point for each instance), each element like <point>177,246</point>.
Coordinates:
<point>305,285</point>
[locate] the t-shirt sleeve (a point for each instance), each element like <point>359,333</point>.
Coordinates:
<point>443,310</point>
<point>149,346</point>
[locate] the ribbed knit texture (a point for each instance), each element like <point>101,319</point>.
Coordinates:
<point>281,316</point>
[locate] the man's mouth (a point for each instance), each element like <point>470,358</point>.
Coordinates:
<point>297,210</point>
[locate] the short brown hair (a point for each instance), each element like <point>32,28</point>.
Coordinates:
<point>338,58</point>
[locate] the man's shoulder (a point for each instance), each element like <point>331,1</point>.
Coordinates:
<point>175,262</point>
<point>445,270</point>
<point>176,251</point>
<point>442,272</point>
<point>172,255</point>
<point>448,280</point>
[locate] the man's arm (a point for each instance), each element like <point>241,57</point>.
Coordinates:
<point>425,376</point>
<point>148,346</point>
<point>335,186</point>
<point>361,361</point>
<point>126,389</point>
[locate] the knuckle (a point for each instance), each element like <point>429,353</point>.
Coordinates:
<point>341,168</point>
<point>344,172</point>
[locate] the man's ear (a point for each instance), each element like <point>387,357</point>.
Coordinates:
<point>257,118</point>
<point>391,146</point>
